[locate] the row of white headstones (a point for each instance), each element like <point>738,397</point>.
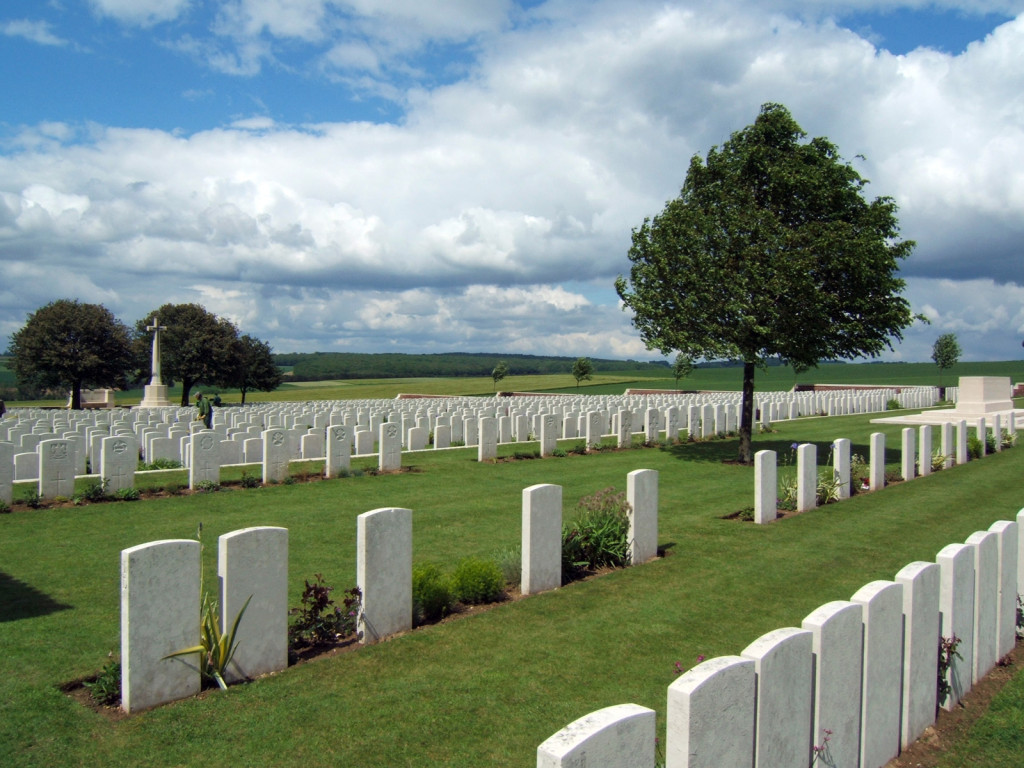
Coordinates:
<point>856,682</point>
<point>160,588</point>
<point>916,461</point>
<point>55,449</point>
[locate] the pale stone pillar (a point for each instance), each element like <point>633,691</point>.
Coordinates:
<point>711,710</point>
<point>541,538</point>
<point>909,453</point>
<point>841,449</point>
<point>766,489</point>
<point>925,450</point>
<point>807,477</point>
<point>390,447</point>
<point>986,602</point>
<point>920,647</point>
<point>783,664</point>
<point>883,667</point>
<point>159,616</point>
<point>876,473</point>
<point>339,449</point>
<point>1007,535</point>
<point>837,643</point>
<point>956,603</point>
<point>384,571</point>
<point>253,563</point>
<point>642,495</point>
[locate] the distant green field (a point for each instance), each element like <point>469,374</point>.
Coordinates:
<point>718,379</point>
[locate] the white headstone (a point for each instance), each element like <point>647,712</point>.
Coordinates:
<point>384,570</point>
<point>541,538</point>
<point>253,563</point>
<point>920,647</point>
<point>642,495</point>
<point>159,616</point>
<point>275,455</point>
<point>711,710</point>
<point>621,736</point>
<point>56,469</point>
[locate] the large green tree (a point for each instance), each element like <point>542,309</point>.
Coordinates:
<point>770,249</point>
<point>582,370</point>
<point>500,372</point>
<point>197,347</point>
<point>71,345</point>
<point>945,353</point>
<point>256,368</point>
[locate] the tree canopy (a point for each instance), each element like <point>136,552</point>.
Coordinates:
<point>945,352</point>
<point>500,372</point>
<point>770,249</point>
<point>582,370</point>
<point>682,367</point>
<point>256,370</point>
<point>197,348</point>
<point>71,345</point>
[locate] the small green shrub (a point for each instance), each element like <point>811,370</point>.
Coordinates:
<point>207,486</point>
<point>477,581</point>
<point>250,481</point>
<point>95,490</point>
<point>319,620</point>
<point>173,489</point>
<point>599,537</point>
<point>938,460</point>
<point>431,594</point>
<point>106,688</point>
<point>559,453</point>
<point>288,480</point>
<point>32,498</point>
<point>127,494</point>
<point>5,508</point>
<point>828,487</point>
<point>973,447</point>
<point>510,562</point>
<point>893,405</point>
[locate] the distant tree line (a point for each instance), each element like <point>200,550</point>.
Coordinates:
<point>321,366</point>
<point>68,346</point>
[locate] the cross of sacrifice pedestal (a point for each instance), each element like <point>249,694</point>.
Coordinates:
<point>156,328</point>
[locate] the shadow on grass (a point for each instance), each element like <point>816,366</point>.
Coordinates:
<point>727,450</point>
<point>19,600</point>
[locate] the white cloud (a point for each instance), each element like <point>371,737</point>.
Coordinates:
<point>34,31</point>
<point>458,227</point>
<point>143,13</point>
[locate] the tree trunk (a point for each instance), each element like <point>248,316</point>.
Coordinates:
<point>186,389</point>
<point>243,391</point>
<point>747,414</point>
<point>76,396</point>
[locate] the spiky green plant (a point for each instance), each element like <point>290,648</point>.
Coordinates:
<point>215,648</point>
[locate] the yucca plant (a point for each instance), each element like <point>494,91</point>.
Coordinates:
<point>216,648</point>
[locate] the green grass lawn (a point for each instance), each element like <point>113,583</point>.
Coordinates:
<point>484,690</point>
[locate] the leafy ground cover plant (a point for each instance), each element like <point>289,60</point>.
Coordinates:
<point>318,619</point>
<point>431,594</point>
<point>598,537</point>
<point>105,689</point>
<point>477,581</point>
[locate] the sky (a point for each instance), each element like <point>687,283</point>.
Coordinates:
<point>464,176</point>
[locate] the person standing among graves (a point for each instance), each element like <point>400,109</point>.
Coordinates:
<point>205,410</point>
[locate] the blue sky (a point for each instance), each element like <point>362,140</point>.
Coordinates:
<point>363,176</point>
